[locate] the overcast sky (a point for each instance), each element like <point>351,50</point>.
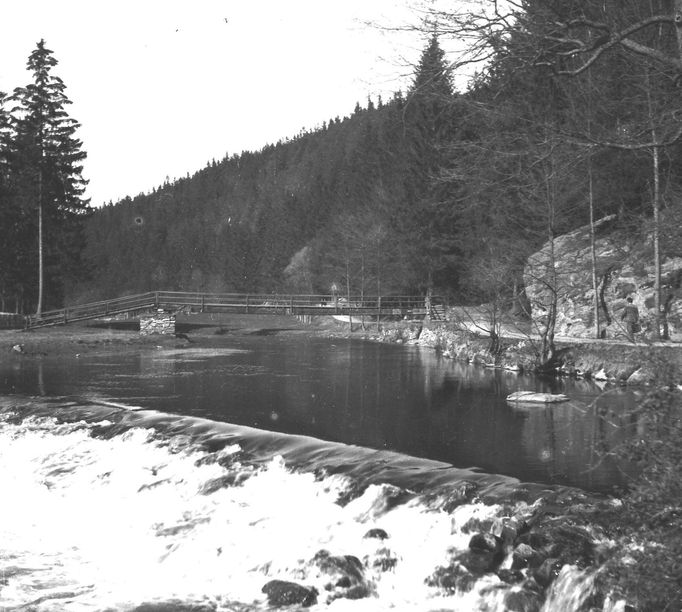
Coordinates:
<point>161,87</point>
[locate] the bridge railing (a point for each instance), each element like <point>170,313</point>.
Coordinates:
<point>276,302</point>
<point>237,302</point>
<point>92,310</point>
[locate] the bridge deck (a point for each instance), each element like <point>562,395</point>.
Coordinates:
<point>177,301</point>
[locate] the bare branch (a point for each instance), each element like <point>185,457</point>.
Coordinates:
<point>603,44</point>
<point>587,141</point>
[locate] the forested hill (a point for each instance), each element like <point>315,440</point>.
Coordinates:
<point>346,203</point>
<point>289,217</point>
<point>434,188</point>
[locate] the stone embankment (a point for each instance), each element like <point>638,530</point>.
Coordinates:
<point>608,361</point>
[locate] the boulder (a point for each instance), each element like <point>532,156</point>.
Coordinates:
<point>485,554</point>
<point>511,576</point>
<point>283,593</point>
<point>547,572</point>
<point>522,600</point>
<point>339,565</point>
<point>508,529</point>
<point>524,555</point>
<point>383,559</point>
<point>531,397</point>
<point>345,575</point>
<point>174,605</point>
<point>377,533</point>
<point>233,479</point>
<point>451,578</point>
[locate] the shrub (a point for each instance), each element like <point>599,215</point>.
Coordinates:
<point>647,570</point>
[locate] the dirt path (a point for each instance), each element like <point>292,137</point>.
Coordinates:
<point>477,322</point>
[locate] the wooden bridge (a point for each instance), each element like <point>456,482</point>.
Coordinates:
<point>242,303</point>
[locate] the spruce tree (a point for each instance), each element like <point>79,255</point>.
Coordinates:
<point>429,123</point>
<point>47,167</point>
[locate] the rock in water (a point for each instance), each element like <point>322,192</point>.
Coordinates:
<point>484,555</point>
<point>345,575</point>
<point>376,532</point>
<point>283,593</point>
<point>531,397</point>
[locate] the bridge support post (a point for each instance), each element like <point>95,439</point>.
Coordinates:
<point>378,311</point>
<point>159,322</point>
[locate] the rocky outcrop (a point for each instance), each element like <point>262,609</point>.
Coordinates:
<point>624,269</point>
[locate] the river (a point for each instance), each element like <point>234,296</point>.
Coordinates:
<point>160,478</point>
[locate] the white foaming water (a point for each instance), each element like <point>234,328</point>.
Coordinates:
<point>92,524</point>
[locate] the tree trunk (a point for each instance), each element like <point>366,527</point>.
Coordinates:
<point>593,252</point>
<point>39,308</point>
<point>548,349</point>
<point>655,158</point>
<point>656,205</point>
<point>590,187</point>
<point>678,26</point>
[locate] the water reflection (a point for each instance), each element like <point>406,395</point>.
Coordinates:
<point>380,396</point>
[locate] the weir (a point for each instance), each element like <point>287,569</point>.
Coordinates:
<point>90,484</point>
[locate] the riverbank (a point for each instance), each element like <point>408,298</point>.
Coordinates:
<point>124,335</point>
<point>614,361</point>
<point>618,362</point>
<point>608,360</point>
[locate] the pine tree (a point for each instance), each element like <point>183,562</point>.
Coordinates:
<point>46,164</point>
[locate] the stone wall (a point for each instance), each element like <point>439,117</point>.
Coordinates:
<point>159,322</point>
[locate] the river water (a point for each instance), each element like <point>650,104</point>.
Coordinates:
<point>159,478</point>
